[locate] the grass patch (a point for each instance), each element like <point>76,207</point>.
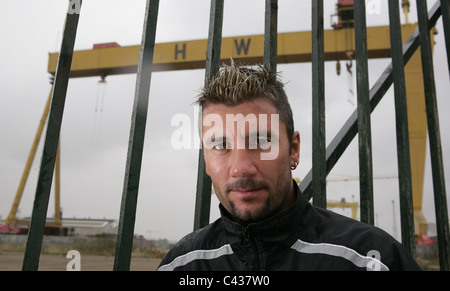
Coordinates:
<point>99,246</point>
<point>429,264</point>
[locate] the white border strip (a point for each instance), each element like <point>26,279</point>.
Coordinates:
<point>197,255</point>
<point>339,251</point>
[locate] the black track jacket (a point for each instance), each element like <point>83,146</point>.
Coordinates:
<point>300,238</point>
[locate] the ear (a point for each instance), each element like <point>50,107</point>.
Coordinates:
<point>295,148</point>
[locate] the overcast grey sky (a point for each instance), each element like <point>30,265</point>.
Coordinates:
<point>94,144</point>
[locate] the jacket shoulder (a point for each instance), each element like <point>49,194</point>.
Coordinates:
<point>202,240</point>
<point>364,239</point>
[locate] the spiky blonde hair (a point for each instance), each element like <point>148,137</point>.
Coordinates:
<point>234,85</point>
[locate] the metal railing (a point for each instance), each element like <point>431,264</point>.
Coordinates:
<point>324,158</point>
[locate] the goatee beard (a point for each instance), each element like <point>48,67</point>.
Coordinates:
<point>248,216</point>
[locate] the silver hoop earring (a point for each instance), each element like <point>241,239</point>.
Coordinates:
<point>294,167</point>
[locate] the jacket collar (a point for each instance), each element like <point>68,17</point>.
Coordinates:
<point>284,227</point>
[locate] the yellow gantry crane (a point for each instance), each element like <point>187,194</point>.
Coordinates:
<point>11,225</point>
<point>112,59</point>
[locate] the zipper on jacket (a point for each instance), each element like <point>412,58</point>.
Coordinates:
<point>254,253</point>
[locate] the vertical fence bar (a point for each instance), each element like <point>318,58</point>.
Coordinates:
<point>343,138</point>
<point>203,196</point>
<point>434,136</point>
<point>364,127</point>
<point>318,105</point>
<point>58,186</point>
<point>136,142</point>
<point>270,35</point>
<point>401,114</point>
<point>44,184</point>
<point>445,10</point>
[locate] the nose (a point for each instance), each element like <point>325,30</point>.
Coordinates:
<point>242,164</point>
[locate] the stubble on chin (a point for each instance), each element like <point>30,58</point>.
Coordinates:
<point>247,216</point>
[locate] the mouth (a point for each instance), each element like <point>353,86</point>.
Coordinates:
<point>246,193</point>
<point>246,189</point>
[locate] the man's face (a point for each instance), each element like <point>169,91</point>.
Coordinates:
<point>247,155</point>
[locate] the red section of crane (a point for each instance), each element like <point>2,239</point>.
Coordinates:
<point>344,12</point>
<point>108,45</point>
<point>345,2</point>
<point>5,228</point>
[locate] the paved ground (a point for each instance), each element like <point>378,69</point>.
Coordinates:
<point>10,261</point>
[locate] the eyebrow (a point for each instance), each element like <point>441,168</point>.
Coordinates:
<point>265,133</point>
<point>210,141</point>
<point>257,134</point>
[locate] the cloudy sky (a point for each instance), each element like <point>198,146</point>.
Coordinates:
<point>95,130</point>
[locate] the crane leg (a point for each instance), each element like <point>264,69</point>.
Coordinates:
<point>11,219</point>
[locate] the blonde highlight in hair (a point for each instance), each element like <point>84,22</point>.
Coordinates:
<point>234,85</point>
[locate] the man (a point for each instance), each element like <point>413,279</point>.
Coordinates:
<point>250,148</point>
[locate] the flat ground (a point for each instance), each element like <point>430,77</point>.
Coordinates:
<point>12,261</point>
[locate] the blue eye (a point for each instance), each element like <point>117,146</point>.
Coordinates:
<point>222,146</point>
<point>264,143</point>
<point>259,143</point>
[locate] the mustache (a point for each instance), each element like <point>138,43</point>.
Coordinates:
<point>246,184</point>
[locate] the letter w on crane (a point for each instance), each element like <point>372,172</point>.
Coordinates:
<point>242,45</point>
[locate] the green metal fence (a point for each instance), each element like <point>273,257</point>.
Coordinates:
<point>324,158</point>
